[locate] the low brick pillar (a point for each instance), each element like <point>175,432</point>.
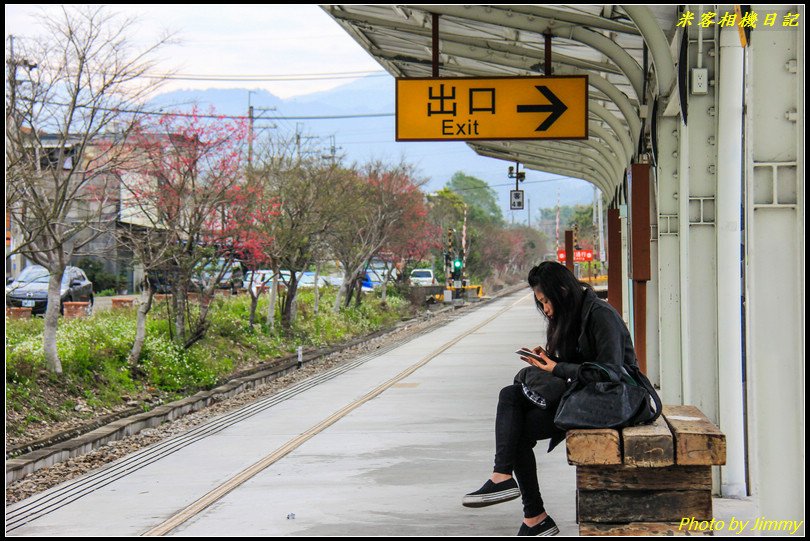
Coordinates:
<point>18,313</point>
<point>75,309</point>
<point>162,297</point>
<point>122,302</point>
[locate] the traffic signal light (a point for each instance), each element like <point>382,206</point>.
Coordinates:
<point>456,269</point>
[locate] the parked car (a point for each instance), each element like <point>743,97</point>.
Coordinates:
<point>422,277</point>
<point>307,280</point>
<point>258,277</point>
<point>30,289</point>
<point>229,274</point>
<point>264,277</point>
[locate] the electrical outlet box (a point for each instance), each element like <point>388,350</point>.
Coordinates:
<point>700,81</point>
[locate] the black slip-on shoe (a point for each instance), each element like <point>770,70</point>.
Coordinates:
<point>492,493</point>
<point>547,527</point>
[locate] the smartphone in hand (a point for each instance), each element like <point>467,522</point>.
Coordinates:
<point>526,352</point>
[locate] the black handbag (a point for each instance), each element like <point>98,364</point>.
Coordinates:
<point>602,396</point>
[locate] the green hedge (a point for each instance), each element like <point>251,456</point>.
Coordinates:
<point>94,351</point>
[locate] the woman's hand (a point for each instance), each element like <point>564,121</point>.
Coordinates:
<point>548,366</point>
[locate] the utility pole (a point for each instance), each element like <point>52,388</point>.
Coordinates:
<point>250,133</point>
<point>13,64</point>
<point>251,119</point>
<point>557,230</point>
<point>332,150</point>
<point>298,138</point>
<point>530,213</point>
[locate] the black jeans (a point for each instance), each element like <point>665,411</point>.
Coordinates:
<point>519,423</point>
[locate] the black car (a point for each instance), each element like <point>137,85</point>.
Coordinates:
<point>30,289</point>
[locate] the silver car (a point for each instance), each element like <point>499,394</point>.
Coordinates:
<point>422,277</point>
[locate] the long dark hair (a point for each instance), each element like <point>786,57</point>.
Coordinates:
<point>566,293</point>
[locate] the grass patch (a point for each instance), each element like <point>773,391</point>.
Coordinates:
<point>94,353</point>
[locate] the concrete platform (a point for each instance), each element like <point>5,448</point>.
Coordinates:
<point>398,464</point>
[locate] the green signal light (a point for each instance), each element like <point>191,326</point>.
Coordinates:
<point>457,263</point>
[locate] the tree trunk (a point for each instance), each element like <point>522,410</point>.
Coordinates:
<point>317,288</point>
<point>287,311</point>
<point>254,299</point>
<point>52,321</point>
<point>179,315</point>
<point>140,328</point>
<point>343,291</point>
<point>359,291</point>
<point>350,291</point>
<point>271,310</point>
<point>254,303</point>
<point>387,277</point>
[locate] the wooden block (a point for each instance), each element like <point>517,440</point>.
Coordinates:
<point>698,441</point>
<point>590,447</point>
<point>643,505</point>
<point>632,478</point>
<point>648,446</point>
<point>636,528</point>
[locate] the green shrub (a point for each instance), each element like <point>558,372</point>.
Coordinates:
<point>94,351</point>
<point>102,280</point>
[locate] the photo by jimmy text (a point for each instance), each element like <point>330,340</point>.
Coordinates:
<point>738,526</point>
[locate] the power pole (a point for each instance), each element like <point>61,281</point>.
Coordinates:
<point>557,230</point>
<point>298,138</point>
<point>250,133</point>
<point>332,150</point>
<point>251,118</point>
<point>530,213</point>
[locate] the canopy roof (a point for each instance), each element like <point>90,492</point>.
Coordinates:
<point>604,42</point>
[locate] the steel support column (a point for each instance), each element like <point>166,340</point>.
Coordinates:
<point>615,274</point>
<point>639,184</point>
<point>669,269</point>
<point>775,270</point>
<point>729,264</point>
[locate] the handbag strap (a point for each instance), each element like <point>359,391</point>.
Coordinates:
<point>645,382</point>
<point>611,373</point>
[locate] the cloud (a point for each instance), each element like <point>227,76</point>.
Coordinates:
<point>239,39</point>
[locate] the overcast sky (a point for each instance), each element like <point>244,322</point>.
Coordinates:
<point>235,39</point>
<point>282,41</point>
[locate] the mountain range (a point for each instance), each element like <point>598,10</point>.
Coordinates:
<point>362,138</point>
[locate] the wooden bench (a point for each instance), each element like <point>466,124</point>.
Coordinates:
<point>645,480</point>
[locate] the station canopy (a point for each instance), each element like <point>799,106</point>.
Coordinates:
<point>606,43</point>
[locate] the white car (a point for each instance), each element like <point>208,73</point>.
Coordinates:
<point>307,280</point>
<point>264,278</point>
<point>422,277</point>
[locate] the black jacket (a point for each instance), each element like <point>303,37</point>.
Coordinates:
<point>603,339</point>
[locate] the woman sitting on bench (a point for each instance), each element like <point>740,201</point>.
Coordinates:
<point>581,327</point>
